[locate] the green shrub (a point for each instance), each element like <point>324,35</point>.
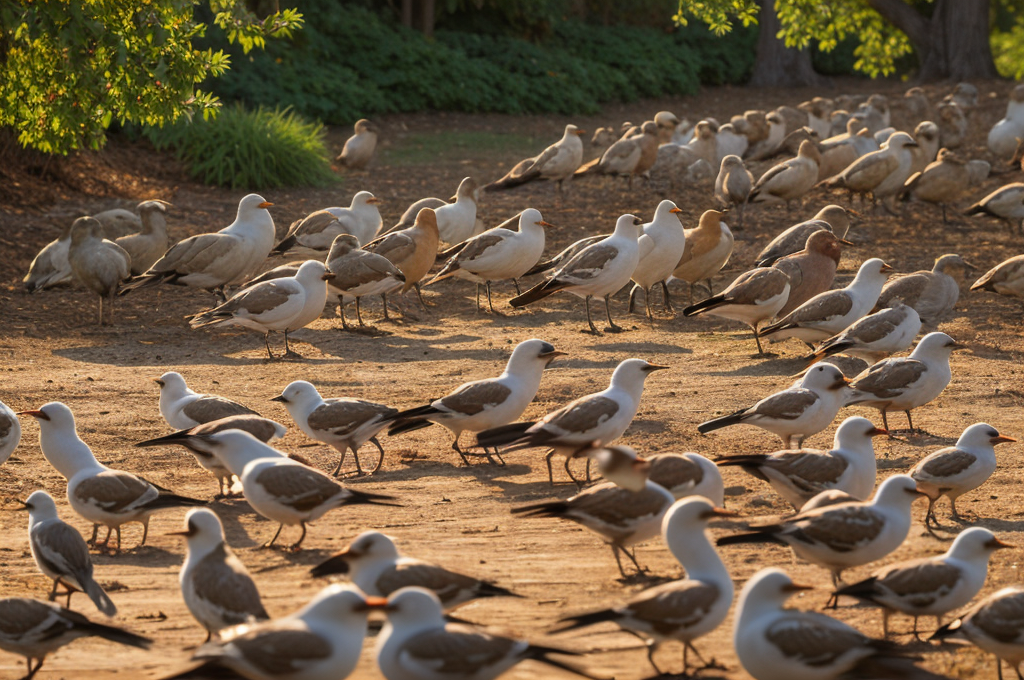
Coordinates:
<point>258,149</point>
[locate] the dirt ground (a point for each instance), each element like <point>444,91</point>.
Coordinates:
<point>456,515</point>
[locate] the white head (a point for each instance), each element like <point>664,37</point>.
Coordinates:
<point>531,217</point>
<point>369,546</point>
<point>237,448</point>
<point>253,205</point>
<point>342,605</point>
<point>824,377</point>
<point>628,225</point>
<point>414,607</point>
<point>173,385</point>
<point>873,272</point>
<point>364,200</point>
<point>532,353</point>
<point>203,531</point>
<point>573,131</point>
<point>59,440</point>
<point>855,433</point>
<point>766,591</point>
<point>299,394</point>
<point>467,190</point>
<point>690,515</point>
<point>633,372</point>
<point>313,271</point>
<point>900,140</point>
<point>936,345</point>
<point>975,543</point>
<point>981,436</point>
<point>40,507</point>
<point>665,209</point>
<point>898,491</point>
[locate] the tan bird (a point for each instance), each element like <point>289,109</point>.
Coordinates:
<point>359,148</point>
<point>832,218</point>
<point>952,125</point>
<point>811,270</point>
<point>667,123</point>
<point>941,182</point>
<point>755,296</point>
<point>708,248</point>
<point>1006,203</point>
<point>790,179</point>
<point>412,250</point>
<point>933,294</point>
<point>100,265</point>
<point>915,101</point>
<point>556,163</point>
<point>147,246</point>
<point>770,144</point>
<point>733,185</point>
<point>881,173</point>
<point>926,134</point>
<point>1006,278</point>
<point>819,113</point>
<point>629,156</point>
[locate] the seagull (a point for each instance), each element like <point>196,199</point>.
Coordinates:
<point>776,643</point>
<point>319,229</point>
<point>942,181</point>
<point>875,336</point>
<point>926,134</point>
<point>687,474</point>
<point>1005,134</point>
<point>881,173</point>
<point>628,156</point>
<point>789,180</point>
<point>830,312</point>
<point>661,246</point>
<point>61,554</point>
<point>359,148</point>
<point>839,537</point>
<point>98,493</point>
<point>191,438</point>
<point>797,412</point>
<point>182,408</point>
<point>321,641</point>
<point>754,296</point>
<point>100,265</point>
<point>417,642</point>
<point>339,422</point>
<point>358,273</point>
<point>832,218</point>
<point>1006,278</point>
<point>798,475</point>
<point>556,163</point>
<point>456,222</point>
<point>285,304</point>
<point>708,247</point>
<point>599,270</point>
<point>733,184</point>
<point>930,586</point>
<point>959,469</point>
<point>217,589</point>
<point>811,270</point>
<point>213,261</point>
<point>932,293</point>
<point>1006,203</point>
<point>600,417</point>
<point>480,405</point>
<point>498,254</point>
<point>682,610</point>
<point>373,563</point>
<point>34,629</point>
<point>412,250</point>
<point>906,383</point>
<point>279,488</point>
<point>766,147</point>
<point>10,432</point>
<point>996,625</point>
<point>147,246</point>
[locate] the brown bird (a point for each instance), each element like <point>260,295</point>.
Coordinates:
<point>790,179</point>
<point>412,250</point>
<point>100,265</point>
<point>812,270</point>
<point>733,185</point>
<point>881,173</point>
<point>359,148</point>
<point>941,182</point>
<point>708,247</point>
<point>1006,278</point>
<point>830,218</point>
<point>629,156</point>
<point>148,245</point>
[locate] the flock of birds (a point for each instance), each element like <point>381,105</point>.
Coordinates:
<point>840,520</point>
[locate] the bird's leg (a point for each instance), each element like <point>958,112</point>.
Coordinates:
<point>999,668</point>
<point>118,533</point>
<point>886,614</point>
<point>955,515</point>
<point>667,297</point>
<point>71,591</point>
<point>632,299</point>
<point>100,298</point>
<point>478,297</point>
<point>106,540</point>
<point>341,461</point>
<point>945,221</point>
<point>384,298</point>
<point>551,476</point>
<point>381,461</point>
<point>32,671</point>
<point>341,313</point>
<point>266,341</point>
<point>271,542</point>
<point>456,449</point>
<point>590,322</point>
<point>711,290</point>
<point>419,294</point>
<point>359,314</point>
<point>579,485</point>
<point>757,339</point>
<point>95,534</point>
<point>489,304</point>
<point>632,558</point>
<point>917,635</point>
<point>295,546</point>
<point>359,468</point>
<point>647,304</point>
<point>222,297</point>
<point>515,282</point>
<point>910,422</point>
<point>53,593</point>
<point>885,421</point>
<point>612,328</point>
<point>618,560</point>
<point>287,350</point>
<point>501,461</point>
<point>145,532</point>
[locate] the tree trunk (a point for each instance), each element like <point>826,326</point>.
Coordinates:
<point>777,65</point>
<point>407,13</point>
<point>427,8</point>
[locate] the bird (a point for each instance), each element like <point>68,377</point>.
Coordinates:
<point>556,163</point>
<point>687,474</point>
<point>846,535</point>
<point>926,134</point>
<point>684,609</point>
<point>798,475</point>
<point>994,625</point>
<point>191,438</point>
<point>1003,137</point>
<point>777,643</point>
<point>598,270</point>
<point>600,417</point>
<point>61,554</point>
<point>875,336</point>
<point>341,422</point>
<point>916,102</point>
<point>456,222</point>
<point>800,411</point>
<point>358,150</point>
<point>819,111</point>
<point>1006,278</point>
<point>667,123</point>
<point>10,432</point>
<point>789,180</point>
<point>661,246</point>
<point>100,265</point>
<point>498,254</point>
<point>318,230</point>
<point>811,270</point>
<point>1006,203</point>
<point>374,564</point>
<point>958,469</point>
<point>881,173</point>
<point>412,250</point>
<point>930,586</point>
<point>766,147</point>
<point>417,642</point>
<point>215,585</point>
<point>98,493</point>
<point>733,185</point>
<point>629,156</point>
<point>906,383</point>
<point>708,247</point>
<point>952,124</point>
<point>830,312</point>
<point>321,641</point>
<point>215,260</point>
<point>358,273</point>
<point>933,294</point>
<point>832,218</point>
<point>279,488</point>
<point>753,297</point>
<point>286,304</point>
<point>147,246</point>
<point>941,182</point>
<point>35,629</point>
<point>183,408</point>
<point>480,405</point>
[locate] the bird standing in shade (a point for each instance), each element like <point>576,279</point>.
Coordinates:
<point>556,163</point>
<point>790,179</point>
<point>359,148</point>
<point>100,265</point>
<point>733,185</point>
<point>148,245</point>
<point>1006,278</point>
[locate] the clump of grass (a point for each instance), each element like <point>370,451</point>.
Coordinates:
<point>250,149</point>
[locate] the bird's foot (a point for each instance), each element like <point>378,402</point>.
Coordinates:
<point>291,355</point>
<point>614,329</point>
<point>590,331</point>
<point>371,331</point>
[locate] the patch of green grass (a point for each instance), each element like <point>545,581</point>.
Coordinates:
<point>423,149</point>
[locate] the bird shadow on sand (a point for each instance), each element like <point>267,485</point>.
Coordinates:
<point>790,368</point>
<point>141,556</point>
<point>639,348</point>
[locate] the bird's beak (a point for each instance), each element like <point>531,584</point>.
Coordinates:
<point>178,533</point>
<point>887,268</point>
<point>374,604</point>
<point>554,354</point>
<point>642,465</point>
<point>957,345</point>
<point>1002,439</point>
<point>968,264</point>
<point>720,512</point>
<point>34,414</point>
<point>374,200</point>
<point>996,544</point>
<point>877,431</point>
<point>840,383</point>
<point>158,381</point>
<point>266,204</point>
<point>847,243</point>
<point>280,398</point>
<point>25,507</point>
<point>911,144</point>
<point>655,367</point>
<point>328,276</point>
<point>581,132</point>
<point>795,588</point>
<point>547,224</point>
<point>675,210</point>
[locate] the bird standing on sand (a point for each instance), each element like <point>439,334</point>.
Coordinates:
<point>874,337</point>
<point>753,297</point>
<point>661,245</point>
<point>811,270</point>
<point>789,180</point>
<point>933,294</point>
<point>708,247</point>
<point>359,148</point>
<point>1006,203</point>
<point>556,163</point>
<point>832,218</point>
<point>412,250</point>
<point>319,229</point>
<point>1006,278</point>
<point>629,156</point>
<point>148,245</point>
<point>183,408</point>
<point>100,265</point>
<point>733,185</point>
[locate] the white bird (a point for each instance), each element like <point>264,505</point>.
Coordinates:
<point>930,586</point>
<point>687,474</point>
<point>373,563</point>
<point>708,247</point>
<point>10,432</point>
<point>1004,135</point>
<point>682,610</point>
<point>661,246</point>
<point>598,270</point>
<point>600,417</point>
<point>906,383</point>
<point>456,222</point>
<point>1006,203</point>
<point>286,304</point>
<point>800,411</point>
<point>801,474</point>
<point>846,535</point>
<point>61,554</point>
<point>996,625</point>
<point>830,312</point>
<point>279,488</point>
<point>359,148</point>
<point>874,337</point>
<point>933,294</point>
<point>484,404</point>
<point>959,469</point>
<point>1006,278</point>
<point>34,629</point>
<point>98,264</point>
<point>321,641</point>
<point>213,261</point>
<point>319,229</point>
<point>556,163</point>
<point>182,408</point>
<point>341,422</point>
<point>149,245</point>
<point>215,585</point>
<point>418,643</point>
<point>98,493</point>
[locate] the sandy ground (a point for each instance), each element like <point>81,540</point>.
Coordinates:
<point>457,515</point>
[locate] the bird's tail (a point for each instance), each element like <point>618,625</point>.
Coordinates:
<point>768,261</point>
<point>175,438</point>
<point>491,590</point>
<point>173,500</point>
<point>546,509</point>
<point>542,654</point>
<point>364,498</point>
<point>208,318</point>
<point>286,244</point>
<point>863,590</point>
<point>99,597</point>
<point>976,209</point>
<point>143,281</point>
<point>511,182</point>
<point>724,421</point>
<point>587,167</point>
<point>704,305</point>
<point>750,537</point>
<point>948,630</point>
<point>117,635</point>
<point>408,425</point>
<point>891,663</point>
<point>540,267</point>
<point>827,350</point>
<point>745,460</point>
<point>502,435</point>
<point>338,564</point>
<point>583,620</point>
<point>775,328</point>
<point>538,292</point>
<point>448,271</point>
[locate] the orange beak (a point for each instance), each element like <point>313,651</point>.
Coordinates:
<point>1002,439</point>
<point>266,204</point>
<point>34,414</point>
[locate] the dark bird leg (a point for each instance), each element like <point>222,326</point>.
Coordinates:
<point>910,422</point>
<point>384,298</point>
<point>380,462</point>
<point>618,560</point>
<point>456,449</point>
<point>885,421</point>
<point>419,294</point>
<point>266,341</point>
<point>632,299</point>
<point>359,314</point>
<point>667,297</point>
<point>711,291</point>
<point>590,322</point>
<point>295,546</point>
<point>32,671</point>
<point>612,328</point>
<point>551,476</point>
<point>515,282</point>
<point>341,461</point>
<point>632,558</point>
<point>341,312</point>
<point>271,542</point>
<point>652,647</point>
<point>757,339</point>
<point>955,515</point>
<point>489,304</point>
<point>478,297</point>
<point>647,304</point>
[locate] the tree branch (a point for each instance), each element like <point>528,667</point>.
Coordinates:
<point>907,19</point>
